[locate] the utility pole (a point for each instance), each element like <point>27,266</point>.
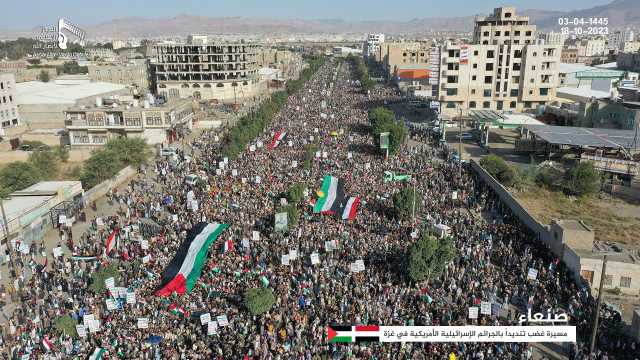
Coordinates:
<point>594,333</point>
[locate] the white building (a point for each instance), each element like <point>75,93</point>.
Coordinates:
<point>9,116</point>
<point>372,45</point>
<point>553,38</point>
<point>592,47</point>
<point>504,70</point>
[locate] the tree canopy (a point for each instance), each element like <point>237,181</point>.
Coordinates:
<point>259,300</point>
<point>384,120</point>
<point>403,203</point>
<point>428,257</point>
<point>499,169</point>
<point>582,180</point>
<point>17,176</point>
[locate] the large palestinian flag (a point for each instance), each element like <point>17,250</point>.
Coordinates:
<point>183,271</point>
<point>277,139</point>
<point>330,196</point>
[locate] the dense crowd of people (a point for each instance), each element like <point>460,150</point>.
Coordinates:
<point>493,252</point>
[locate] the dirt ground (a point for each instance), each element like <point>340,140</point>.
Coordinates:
<point>612,219</point>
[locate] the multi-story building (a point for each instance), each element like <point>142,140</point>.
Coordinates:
<point>125,117</point>
<point>592,47</point>
<point>628,61</point>
<point>288,62</point>
<point>505,69</point>
<point>372,45</point>
<point>399,54</point>
<point>100,54</point>
<point>630,47</point>
<point>553,38</point>
<point>503,27</point>
<point>222,71</point>
<point>569,55</point>
<point>9,117</point>
<point>135,73</point>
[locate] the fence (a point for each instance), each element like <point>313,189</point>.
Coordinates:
<point>101,189</point>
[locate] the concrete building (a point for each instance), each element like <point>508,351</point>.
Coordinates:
<point>288,62</point>
<point>584,257</point>
<point>628,61</point>
<point>133,73</point>
<point>33,211</point>
<point>591,47</point>
<point>569,55</point>
<point>630,47</point>
<point>126,117</point>
<point>9,116</point>
<point>100,54</point>
<point>206,69</point>
<point>504,27</point>
<point>553,38</point>
<point>42,105</point>
<point>504,70</point>
<point>401,54</point>
<point>372,45</point>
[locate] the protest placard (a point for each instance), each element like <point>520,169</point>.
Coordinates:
<point>143,323</point>
<point>485,308</point>
<point>360,265</point>
<point>353,267</point>
<point>294,164</point>
<point>81,330</point>
<point>94,326</point>
<point>87,319</point>
<point>318,154</point>
<point>293,254</point>
<point>57,251</point>
<point>205,318</point>
<point>62,219</point>
<point>252,148</point>
<point>454,195</point>
<point>110,283</point>
<point>111,304</point>
<point>99,221</point>
<point>284,259</point>
<point>218,172</point>
<point>290,143</point>
<point>226,160</point>
<point>146,259</point>
<point>131,298</point>
<point>473,312</point>
<point>245,243</point>
<point>315,258</point>
<point>325,154</point>
<point>234,172</point>
<point>259,144</point>
<point>212,328</point>
<point>533,274</point>
<point>349,155</point>
<point>144,244</point>
<point>222,320</point>
<point>258,179</point>
<point>283,201</point>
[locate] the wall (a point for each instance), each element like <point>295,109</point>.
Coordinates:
<point>517,209</point>
<point>101,189</point>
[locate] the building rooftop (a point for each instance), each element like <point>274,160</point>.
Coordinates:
<point>582,92</point>
<point>566,68</point>
<point>614,251</point>
<point>504,120</point>
<point>592,137</point>
<point>36,92</point>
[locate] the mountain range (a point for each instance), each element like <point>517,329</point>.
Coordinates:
<point>621,14</point>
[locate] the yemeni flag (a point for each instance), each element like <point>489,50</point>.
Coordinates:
<point>97,354</point>
<point>330,196</point>
<point>178,310</point>
<point>111,241</point>
<point>277,139</point>
<point>350,208</point>
<point>183,271</point>
<point>47,344</point>
<point>350,334</point>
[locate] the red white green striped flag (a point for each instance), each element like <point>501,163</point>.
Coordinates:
<point>183,271</point>
<point>111,241</point>
<point>350,334</point>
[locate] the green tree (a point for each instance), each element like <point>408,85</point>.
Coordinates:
<point>17,176</point>
<point>259,300</point>
<point>62,153</point>
<point>295,194</point>
<point>403,202</point>
<point>130,151</point>
<point>102,165</point>
<point>499,169</point>
<point>384,120</point>
<point>581,180</point>
<point>44,76</point>
<point>46,163</point>
<point>428,257</point>
<point>98,278</point>
<point>66,325</point>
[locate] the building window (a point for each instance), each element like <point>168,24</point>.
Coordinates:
<point>497,33</point>
<point>486,33</point>
<point>625,281</point>
<point>487,93</point>
<point>544,91</point>
<point>608,280</point>
<point>512,104</point>
<point>475,66</point>
<point>452,92</point>
<point>490,54</point>
<point>473,91</point>
<point>527,104</point>
<point>473,78</point>
<point>451,105</point>
<point>489,67</point>
<point>488,79</point>
<point>528,33</point>
<point>475,53</point>
<point>514,93</point>
<point>506,33</point>
<point>486,105</point>
<point>472,104</point>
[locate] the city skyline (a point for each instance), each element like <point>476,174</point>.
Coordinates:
<point>20,15</point>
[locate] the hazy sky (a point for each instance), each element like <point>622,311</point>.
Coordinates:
<point>23,14</point>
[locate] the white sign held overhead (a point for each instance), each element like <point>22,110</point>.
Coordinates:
<point>533,274</point>
<point>222,320</point>
<point>110,283</point>
<point>252,148</point>
<point>473,312</point>
<point>485,308</point>
<point>284,259</point>
<point>259,144</point>
<point>315,259</point>
<point>205,318</point>
<point>293,254</point>
<point>81,330</point>
<point>144,244</point>
<point>57,251</point>
<point>131,298</point>
<point>111,304</point>
<point>234,172</point>
<point>255,235</point>
<point>143,323</point>
<point>212,328</point>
